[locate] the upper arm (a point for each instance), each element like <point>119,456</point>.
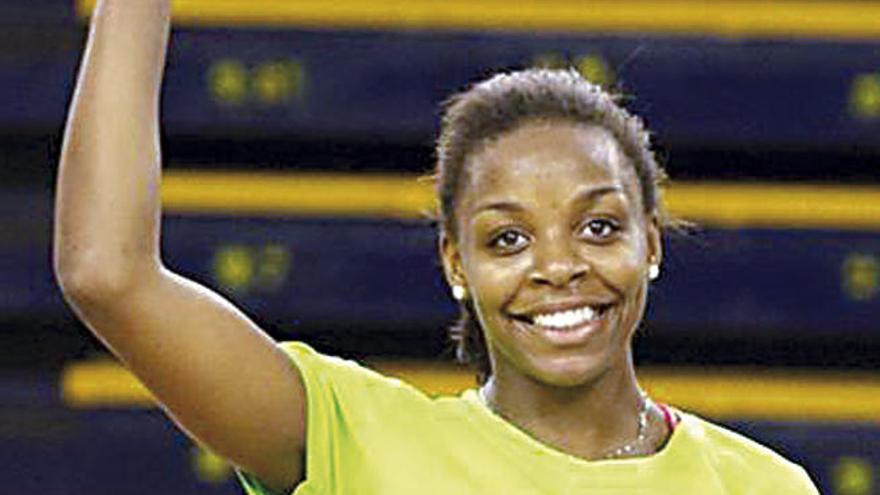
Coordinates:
<point>214,371</point>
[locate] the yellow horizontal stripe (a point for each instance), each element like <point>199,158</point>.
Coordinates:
<point>734,18</point>
<point>716,393</point>
<point>777,205</point>
<point>301,194</point>
<point>102,384</point>
<point>402,196</point>
<point>769,394</point>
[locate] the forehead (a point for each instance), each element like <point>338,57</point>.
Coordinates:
<point>547,159</point>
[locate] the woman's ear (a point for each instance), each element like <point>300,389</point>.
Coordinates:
<point>654,235</point>
<point>451,258</point>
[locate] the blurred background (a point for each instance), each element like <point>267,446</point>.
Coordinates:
<point>295,132</point>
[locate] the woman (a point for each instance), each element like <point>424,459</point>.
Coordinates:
<point>550,231</point>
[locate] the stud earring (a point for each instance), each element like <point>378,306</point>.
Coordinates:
<point>653,271</point>
<point>458,292</point>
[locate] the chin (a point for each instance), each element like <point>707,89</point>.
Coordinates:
<point>527,353</point>
<point>573,371</point>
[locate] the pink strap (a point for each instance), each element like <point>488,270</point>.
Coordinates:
<point>671,419</point>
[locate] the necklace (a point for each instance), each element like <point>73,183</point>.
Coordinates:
<point>629,448</point>
<point>623,450</point>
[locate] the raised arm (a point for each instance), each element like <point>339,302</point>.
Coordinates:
<point>212,369</point>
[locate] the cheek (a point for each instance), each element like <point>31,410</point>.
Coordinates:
<point>625,272</point>
<point>622,268</point>
<point>495,281</point>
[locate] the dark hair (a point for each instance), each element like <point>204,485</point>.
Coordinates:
<point>501,104</point>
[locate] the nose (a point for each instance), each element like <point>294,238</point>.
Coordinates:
<point>557,264</point>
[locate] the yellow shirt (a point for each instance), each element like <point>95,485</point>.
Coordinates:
<point>374,435</point>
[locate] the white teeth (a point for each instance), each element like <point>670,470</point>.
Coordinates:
<point>564,319</point>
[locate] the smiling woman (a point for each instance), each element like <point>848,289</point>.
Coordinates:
<point>551,224</point>
<point>512,148</point>
<point>551,230</point>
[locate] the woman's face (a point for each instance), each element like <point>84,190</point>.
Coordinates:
<point>554,248</point>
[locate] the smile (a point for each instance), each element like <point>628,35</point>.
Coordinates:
<point>569,327</point>
<point>566,319</point>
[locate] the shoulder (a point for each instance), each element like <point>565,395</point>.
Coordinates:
<point>725,441</point>
<point>351,409</point>
<point>736,455</point>
<point>345,380</point>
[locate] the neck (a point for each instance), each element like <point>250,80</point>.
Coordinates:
<point>588,420</point>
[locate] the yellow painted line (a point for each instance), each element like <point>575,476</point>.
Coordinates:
<point>721,393</point>
<point>102,383</point>
<point>787,206</point>
<point>769,394</point>
<point>731,18</point>
<point>731,205</point>
<point>301,194</point>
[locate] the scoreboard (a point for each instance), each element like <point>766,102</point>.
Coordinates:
<point>389,84</point>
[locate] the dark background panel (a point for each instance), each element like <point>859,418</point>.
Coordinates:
<point>388,85</point>
<point>374,286</point>
<point>783,110</point>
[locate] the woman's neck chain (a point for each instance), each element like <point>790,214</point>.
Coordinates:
<point>629,448</point>
<point>626,450</point>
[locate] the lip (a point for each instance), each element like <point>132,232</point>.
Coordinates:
<point>576,336</point>
<point>560,306</point>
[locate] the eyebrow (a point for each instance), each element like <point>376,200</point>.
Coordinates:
<point>586,196</point>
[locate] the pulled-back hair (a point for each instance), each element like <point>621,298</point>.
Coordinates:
<point>500,105</point>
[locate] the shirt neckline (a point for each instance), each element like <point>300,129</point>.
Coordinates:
<point>514,434</point>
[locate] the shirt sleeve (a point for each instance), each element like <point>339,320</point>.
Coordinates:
<point>803,484</point>
<point>341,397</point>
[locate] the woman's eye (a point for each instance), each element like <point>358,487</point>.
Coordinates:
<point>507,240</point>
<point>600,228</point>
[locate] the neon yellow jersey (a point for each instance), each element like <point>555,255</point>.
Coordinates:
<point>368,434</point>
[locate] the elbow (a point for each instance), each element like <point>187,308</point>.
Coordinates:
<point>88,282</point>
